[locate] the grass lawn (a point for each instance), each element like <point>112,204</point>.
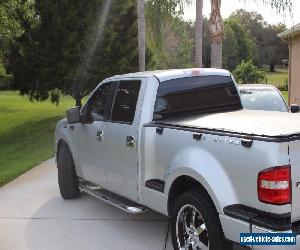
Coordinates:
<point>285,95</point>
<point>279,78</point>
<point>26,132</point>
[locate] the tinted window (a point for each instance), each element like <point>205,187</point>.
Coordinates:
<point>263,99</point>
<point>204,94</point>
<point>125,101</point>
<point>97,106</point>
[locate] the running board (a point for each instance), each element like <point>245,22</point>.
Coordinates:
<point>111,198</point>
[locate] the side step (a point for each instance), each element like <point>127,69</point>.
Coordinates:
<point>111,198</point>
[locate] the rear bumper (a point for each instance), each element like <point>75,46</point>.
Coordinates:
<point>240,219</point>
<point>233,227</point>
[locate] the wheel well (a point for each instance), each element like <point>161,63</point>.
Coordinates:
<point>181,185</point>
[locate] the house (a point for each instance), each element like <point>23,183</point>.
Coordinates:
<point>292,36</point>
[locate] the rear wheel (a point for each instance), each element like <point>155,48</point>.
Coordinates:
<point>67,178</point>
<point>195,224</point>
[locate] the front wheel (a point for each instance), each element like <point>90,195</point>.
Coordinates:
<point>195,223</point>
<point>67,178</point>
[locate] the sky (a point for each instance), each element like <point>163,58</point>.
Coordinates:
<point>270,15</point>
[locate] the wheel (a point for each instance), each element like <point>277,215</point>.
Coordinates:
<point>67,178</point>
<point>195,224</point>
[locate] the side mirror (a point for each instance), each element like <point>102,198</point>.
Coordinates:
<point>295,108</point>
<point>73,115</point>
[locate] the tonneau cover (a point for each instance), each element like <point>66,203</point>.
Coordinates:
<point>261,123</point>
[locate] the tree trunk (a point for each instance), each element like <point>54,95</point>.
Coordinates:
<point>216,34</point>
<point>216,54</point>
<point>78,98</point>
<point>141,34</point>
<point>198,33</point>
<point>78,102</point>
<point>272,67</point>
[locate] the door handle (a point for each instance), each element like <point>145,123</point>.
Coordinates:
<point>99,136</point>
<point>130,142</point>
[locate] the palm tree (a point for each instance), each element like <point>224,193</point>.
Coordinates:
<point>216,33</point>
<point>217,27</point>
<point>141,34</point>
<point>198,33</point>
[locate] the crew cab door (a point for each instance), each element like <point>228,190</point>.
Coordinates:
<point>122,140</point>
<point>91,134</point>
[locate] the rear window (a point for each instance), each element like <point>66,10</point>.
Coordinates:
<point>203,94</point>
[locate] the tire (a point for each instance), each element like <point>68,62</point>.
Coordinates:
<point>67,178</point>
<point>195,222</point>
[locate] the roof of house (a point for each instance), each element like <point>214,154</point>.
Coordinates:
<point>294,31</point>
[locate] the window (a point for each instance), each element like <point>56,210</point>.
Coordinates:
<point>263,99</point>
<point>204,94</point>
<point>125,101</point>
<point>97,106</point>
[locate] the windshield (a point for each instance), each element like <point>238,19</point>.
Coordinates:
<point>263,99</point>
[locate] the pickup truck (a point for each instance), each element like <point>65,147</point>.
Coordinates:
<point>179,142</point>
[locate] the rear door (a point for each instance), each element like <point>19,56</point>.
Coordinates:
<point>122,140</point>
<point>294,152</point>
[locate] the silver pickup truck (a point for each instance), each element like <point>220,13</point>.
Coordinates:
<point>179,142</point>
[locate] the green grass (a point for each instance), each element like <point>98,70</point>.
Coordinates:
<point>279,78</point>
<point>285,95</point>
<point>26,132</point>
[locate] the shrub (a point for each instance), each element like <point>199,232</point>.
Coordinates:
<point>247,72</point>
<point>6,82</point>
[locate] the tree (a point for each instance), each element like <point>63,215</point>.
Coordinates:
<point>270,50</point>
<point>198,33</point>
<point>15,18</point>
<point>178,45</point>
<point>217,27</point>
<point>141,34</point>
<point>275,50</point>
<point>230,52</point>
<point>238,44</point>
<point>247,72</point>
<point>216,33</point>
<point>159,13</point>
<point>74,46</point>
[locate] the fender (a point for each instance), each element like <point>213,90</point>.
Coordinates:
<point>62,133</point>
<point>203,167</point>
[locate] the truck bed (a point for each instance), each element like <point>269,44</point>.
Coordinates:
<point>277,125</point>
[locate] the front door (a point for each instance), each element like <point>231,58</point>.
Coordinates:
<point>91,137</point>
<point>122,140</point>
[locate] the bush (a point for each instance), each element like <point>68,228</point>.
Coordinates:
<point>6,82</point>
<point>247,72</point>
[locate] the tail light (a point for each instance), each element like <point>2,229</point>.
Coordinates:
<point>274,185</point>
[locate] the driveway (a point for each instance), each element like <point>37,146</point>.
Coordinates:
<point>34,216</point>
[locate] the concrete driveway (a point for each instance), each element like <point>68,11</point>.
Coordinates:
<point>34,216</point>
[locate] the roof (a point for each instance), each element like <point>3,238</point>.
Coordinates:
<point>165,75</point>
<point>294,31</point>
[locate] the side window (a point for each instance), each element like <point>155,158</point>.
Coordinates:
<point>125,101</point>
<point>97,106</point>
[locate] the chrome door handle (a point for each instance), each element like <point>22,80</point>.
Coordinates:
<point>99,136</point>
<point>130,142</point>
